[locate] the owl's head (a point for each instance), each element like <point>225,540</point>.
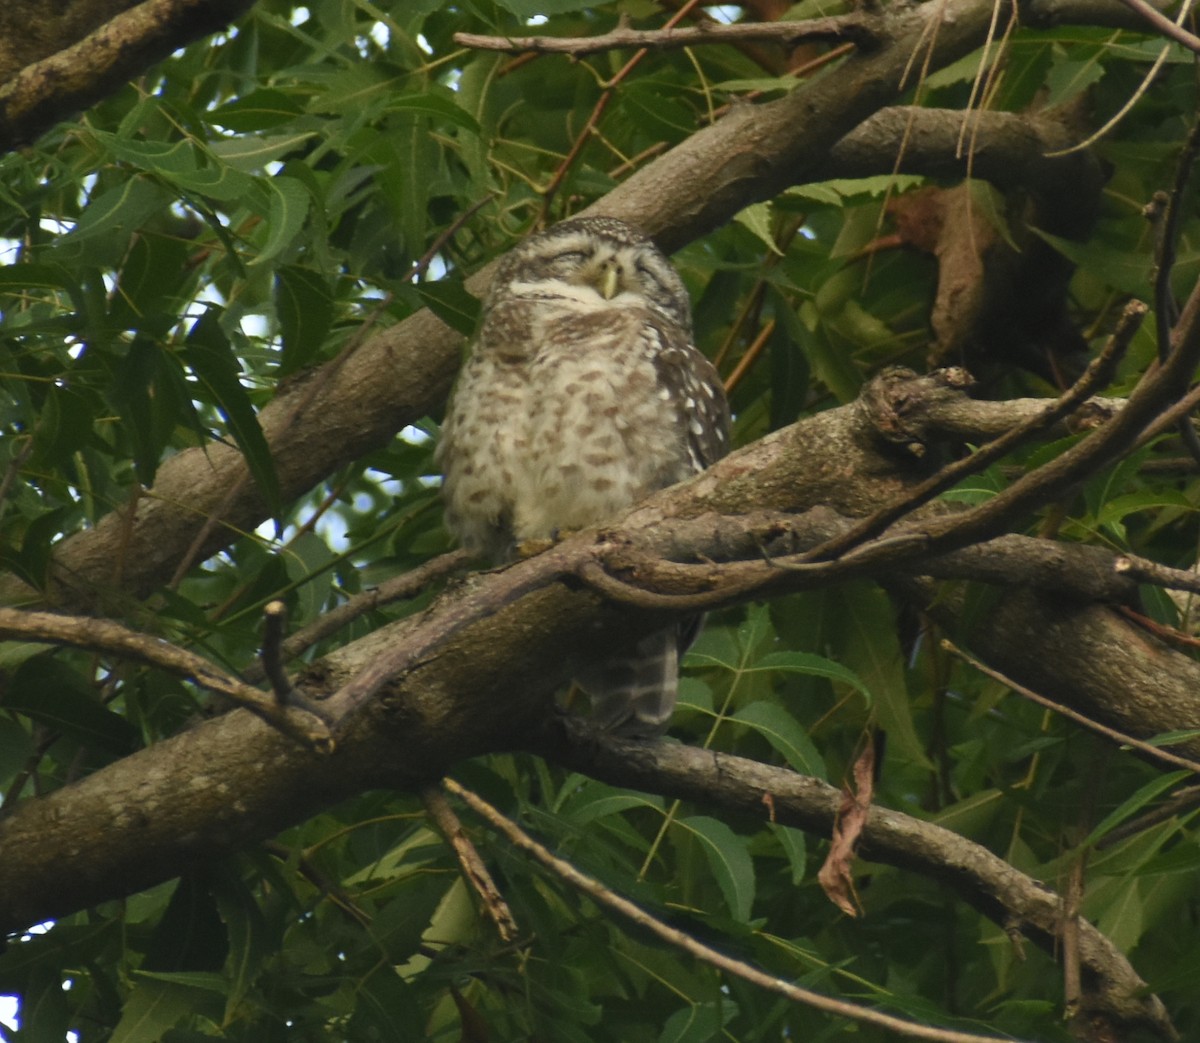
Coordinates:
<point>597,261</point>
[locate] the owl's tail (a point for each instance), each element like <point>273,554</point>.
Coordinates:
<point>633,691</point>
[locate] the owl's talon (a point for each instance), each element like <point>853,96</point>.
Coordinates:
<point>528,548</point>
<point>583,392</point>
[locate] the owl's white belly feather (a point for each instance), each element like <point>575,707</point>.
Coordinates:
<point>584,431</point>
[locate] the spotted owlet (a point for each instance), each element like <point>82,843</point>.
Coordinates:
<point>583,393</point>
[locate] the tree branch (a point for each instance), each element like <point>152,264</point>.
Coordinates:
<point>83,71</point>
<point>105,636</point>
<point>853,28</point>
<point>476,671</point>
<point>680,940</point>
<point>403,373</point>
<point>735,786</point>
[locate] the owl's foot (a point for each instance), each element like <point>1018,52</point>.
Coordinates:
<point>528,548</point>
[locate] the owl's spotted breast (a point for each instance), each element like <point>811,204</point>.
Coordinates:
<point>583,393</point>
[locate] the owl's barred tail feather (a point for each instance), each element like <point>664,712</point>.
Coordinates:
<point>633,690</point>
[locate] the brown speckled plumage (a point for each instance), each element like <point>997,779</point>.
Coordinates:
<point>583,393</point>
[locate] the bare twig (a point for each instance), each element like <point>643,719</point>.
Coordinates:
<point>1166,313</point>
<point>593,121</point>
<point>1164,25</point>
<point>1072,980</point>
<point>274,622</point>
<point>102,635</point>
<point>448,233</point>
<point>476,873</point>
<point>398,588</point>
<point>1096,376</point>
<point>1182,800</point>
<point>1142,570</point>
<point>853,28</point>
<point>736,786</point>
<point>1102,729</point>
<point>685,942</point>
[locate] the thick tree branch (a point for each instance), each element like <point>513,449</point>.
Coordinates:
<point>686,943</point>
<point>397,376</point>
<point>82,71</point>
<point>735,786</point>
<point>476,671</point>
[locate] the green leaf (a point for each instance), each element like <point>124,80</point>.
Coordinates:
<point>437,105</point>
<point>189,935</point>
<point>50,692</point>
<point>1123,270</point>
<point>304,307</point>
<point>816,666</point>
<point>212,359</point>
<point>795,846</point>
<point>728,860</point>
<point>526,9</point>
<point>258,110</point>
<point>451,302</point>
<point>154,1006</point>
<point>1068,79</point>
<point>1172,737</point>
<point>783,732</point>
<point>1135,803</point>
<point>862,629</point>
<point>756,219</point>
<point>246,934</point>
<point>289,203</point>
<point>118,211</point>
<point>252,154</point>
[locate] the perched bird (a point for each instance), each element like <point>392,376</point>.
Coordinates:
<point>582,394</point>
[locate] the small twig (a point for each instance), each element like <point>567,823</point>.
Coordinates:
<point>1142,570</point>
<point>271,660</point>
<point>1072,979</point>
<point>750,357</point>
<point>476,873</point>
<point>102,635</point>
<point>1166,314</point>
<point>1097,374</point>
<point>12,470</point>
<point>1073,715</point>
<point>270,656</point>
<point>329,887</point>
<point>1168,635</point>
<point>853,28</point>
<point>448,233</point>
<point>1164,25</point>
<point>593,121</point>
<point>398,588</point>
<point>672,936</point>
<point>1181,800</point>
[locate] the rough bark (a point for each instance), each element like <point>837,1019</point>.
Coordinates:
<point>1023,906</point>
<point>476,672</point>
<point>59,58</point>
<point>356,403</point>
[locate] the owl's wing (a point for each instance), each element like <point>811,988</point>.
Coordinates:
<point>695,390</point>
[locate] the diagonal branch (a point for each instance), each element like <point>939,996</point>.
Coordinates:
<point>403,373</point>
<point>102,635</point>
<point>735,786</point>
<point>853,28</point>
<point>681,940</point>
<point>83,72</point>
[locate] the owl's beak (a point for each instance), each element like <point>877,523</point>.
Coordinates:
<point>610,280</point>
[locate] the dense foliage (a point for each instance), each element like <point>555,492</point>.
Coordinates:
<point>259,203</point>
